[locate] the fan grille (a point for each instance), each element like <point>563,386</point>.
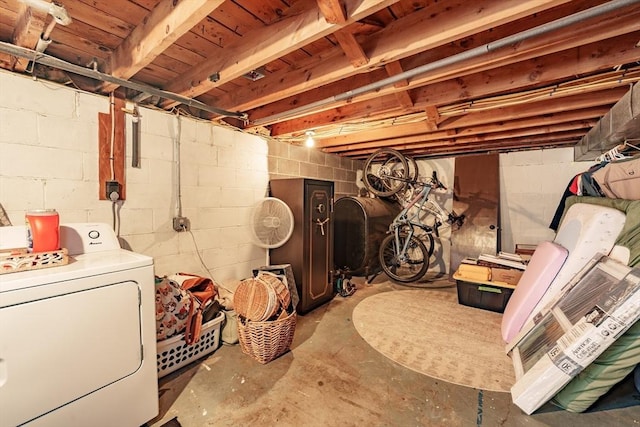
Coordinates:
<point>272,223</point>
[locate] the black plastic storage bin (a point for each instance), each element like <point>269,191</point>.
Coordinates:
<point>482,295</point>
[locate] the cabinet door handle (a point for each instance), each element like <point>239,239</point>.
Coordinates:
<point>321,224</point>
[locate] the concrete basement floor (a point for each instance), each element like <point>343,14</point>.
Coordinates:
<point>332,377</point>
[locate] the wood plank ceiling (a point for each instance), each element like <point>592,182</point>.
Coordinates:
<point>344,69</point>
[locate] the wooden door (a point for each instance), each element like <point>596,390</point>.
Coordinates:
<point>476,195</point>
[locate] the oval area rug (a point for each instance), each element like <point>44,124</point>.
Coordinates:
<point>427,331</point>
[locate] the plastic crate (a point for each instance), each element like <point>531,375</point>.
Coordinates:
<point>173,353</point>
<point>483,294</point>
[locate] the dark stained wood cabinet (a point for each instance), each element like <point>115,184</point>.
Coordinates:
<point>310,248</point>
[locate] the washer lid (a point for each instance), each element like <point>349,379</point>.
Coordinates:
<point>84,265</point>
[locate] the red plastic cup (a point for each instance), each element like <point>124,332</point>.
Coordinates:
<point>43,230</point>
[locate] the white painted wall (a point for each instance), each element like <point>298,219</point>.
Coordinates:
<point>531,186</point>
<point>49,159</point>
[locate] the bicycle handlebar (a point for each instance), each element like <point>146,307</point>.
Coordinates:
<point>433,182</point>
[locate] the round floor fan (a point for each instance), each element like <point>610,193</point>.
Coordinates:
<point>271,223</point>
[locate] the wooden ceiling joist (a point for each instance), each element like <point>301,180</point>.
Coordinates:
<point>525,74</point>
<point>333,11</point>
<point>503,141</point>
<point>264,45</point>
<point>573,119</point>
<point>351,48</point>
<point>432,117</point>
<point>446,24</point>
<point>168,21</point>
<point>30,24</point>
<point>622,27</point>
<point>393,69</point>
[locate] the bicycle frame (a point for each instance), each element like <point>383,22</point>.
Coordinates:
<point>404,218</point>
<point>404,256</point>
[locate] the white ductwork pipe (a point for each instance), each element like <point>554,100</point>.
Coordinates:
<point>454,59</point>
<point>58,12</point>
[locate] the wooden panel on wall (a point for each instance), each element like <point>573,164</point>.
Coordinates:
<point>477,196</point>
<point>105,162</point>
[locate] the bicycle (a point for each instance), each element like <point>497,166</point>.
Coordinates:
<point>404,256</point>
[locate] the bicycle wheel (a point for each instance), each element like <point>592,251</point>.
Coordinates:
<point>414,172</point>
<point>403,268</point>
<point>385,172</point>
<point>429,244</point>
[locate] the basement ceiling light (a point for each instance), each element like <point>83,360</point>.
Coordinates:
<point>254,75</point>
<point>310,142</point>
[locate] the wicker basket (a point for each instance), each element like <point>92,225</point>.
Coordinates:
<point>255,300</point>
<point>278,285</point>
<point>265,341</point>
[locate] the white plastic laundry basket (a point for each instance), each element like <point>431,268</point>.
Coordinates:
<point>174,353</point>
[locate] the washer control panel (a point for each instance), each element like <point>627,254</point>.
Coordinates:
<point>82,238</point>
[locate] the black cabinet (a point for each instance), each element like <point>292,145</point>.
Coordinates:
<point>310,248</point>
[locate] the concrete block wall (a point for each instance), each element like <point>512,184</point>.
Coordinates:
<point>49,159</point>
<point>531,186</point>
<point>291,161</point>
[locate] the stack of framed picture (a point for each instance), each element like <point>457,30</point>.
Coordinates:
<point>597,306</point>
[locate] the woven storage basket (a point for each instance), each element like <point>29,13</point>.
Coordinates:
<point>265,341</point>
<point>255,300</point>
<point>280,287</point>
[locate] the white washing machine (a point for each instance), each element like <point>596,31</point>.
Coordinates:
<point>77,341</point>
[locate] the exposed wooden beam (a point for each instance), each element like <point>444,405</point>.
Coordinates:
<point>626,24</point>
<point>603,99</point>
<point>501,147</point>
<point>449,150</point>
<point>351,47</point>
<point>525,74</point>
<point>267,44</point>
<point>555,140</point>
<point>30,24</point>
<point>432,116</point>
<point>494,140</point>
<point>606,97</point>
<point>166,23</point>
<point>333,11</point>
<point>436,25</point>
<point>575,119</point>
<point>393,69</point>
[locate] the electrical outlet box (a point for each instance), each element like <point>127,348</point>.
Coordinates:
<point>112,190</point>
<point>181,223</point>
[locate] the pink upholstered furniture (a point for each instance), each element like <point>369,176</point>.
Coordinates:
<point>585,230</point>
<point>543,267</point>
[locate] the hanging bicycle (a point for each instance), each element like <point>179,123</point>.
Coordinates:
<point>404,254</point>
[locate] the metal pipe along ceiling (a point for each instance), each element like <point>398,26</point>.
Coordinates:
<point>454,59</point>
<point>51,61</point>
